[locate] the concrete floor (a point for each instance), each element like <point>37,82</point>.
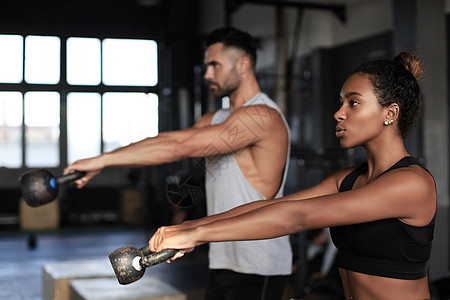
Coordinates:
<point>21,265</point>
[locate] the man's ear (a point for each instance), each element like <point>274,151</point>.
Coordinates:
<point>244,64</point>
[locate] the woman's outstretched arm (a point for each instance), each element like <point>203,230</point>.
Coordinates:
<point>405,194</point>
<point>328,186</point>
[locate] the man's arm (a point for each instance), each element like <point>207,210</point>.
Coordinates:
<point>239,131</point>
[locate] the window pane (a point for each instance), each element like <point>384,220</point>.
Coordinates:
<point>128,118</point>
<point>83,61</point>
<point>130,62</point>
<point>11,58</point>
<point>42,59</point>
<point>42,129</point>
<point>11,129</point>
<point>83,125</point>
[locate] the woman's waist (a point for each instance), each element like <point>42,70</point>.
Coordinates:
<point>364,286</point>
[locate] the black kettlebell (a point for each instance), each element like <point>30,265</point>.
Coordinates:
<point>129,263</point>
<point>40,187</point>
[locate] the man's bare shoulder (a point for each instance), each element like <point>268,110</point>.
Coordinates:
<point>262,117</point>
<point>259,110</point>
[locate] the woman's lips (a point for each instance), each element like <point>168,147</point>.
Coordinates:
<point>339,131</point>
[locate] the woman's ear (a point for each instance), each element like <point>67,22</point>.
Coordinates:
<point>393,112</point>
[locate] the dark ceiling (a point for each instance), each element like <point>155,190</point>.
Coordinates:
<point>111,18</point>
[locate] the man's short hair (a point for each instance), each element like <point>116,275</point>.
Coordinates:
<point>232,37</point>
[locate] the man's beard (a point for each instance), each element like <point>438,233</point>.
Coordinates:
<point>224,91</point>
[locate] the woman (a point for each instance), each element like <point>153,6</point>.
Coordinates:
<point>381,214</point>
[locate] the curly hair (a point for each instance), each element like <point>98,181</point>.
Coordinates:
<point>397,82</point>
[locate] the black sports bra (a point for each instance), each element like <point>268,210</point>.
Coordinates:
<point>387,248</point>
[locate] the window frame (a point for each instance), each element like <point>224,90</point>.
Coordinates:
<point>9,176</point>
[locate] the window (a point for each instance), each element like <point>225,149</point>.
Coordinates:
<point>83,125</point>
<point>129,62</point>
<point>11,129</point>
<point>128,118</point>
<point>41,129</point>
<point>55,109</point>
<point>11,58</point>
<point>83,61</point>
<point>42,59</point>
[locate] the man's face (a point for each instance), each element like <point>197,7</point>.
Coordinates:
<point>221,69</point>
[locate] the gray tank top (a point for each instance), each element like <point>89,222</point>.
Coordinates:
<point>226,188</point>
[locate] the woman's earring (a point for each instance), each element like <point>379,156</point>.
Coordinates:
<point>386,123</point>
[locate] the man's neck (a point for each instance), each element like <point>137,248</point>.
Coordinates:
<point>242,95</point>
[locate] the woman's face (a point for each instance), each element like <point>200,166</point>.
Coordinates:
<point>360,118</point>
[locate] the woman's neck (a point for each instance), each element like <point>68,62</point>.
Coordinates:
<point>382,157</point>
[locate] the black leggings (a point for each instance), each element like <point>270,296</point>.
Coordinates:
<point>229,285</point>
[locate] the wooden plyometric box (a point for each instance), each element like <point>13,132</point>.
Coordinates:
<point>45,217</point>
<point>56,276</point>
<point>147,288</point>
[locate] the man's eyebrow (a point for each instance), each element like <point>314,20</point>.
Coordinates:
<point>212,63</point>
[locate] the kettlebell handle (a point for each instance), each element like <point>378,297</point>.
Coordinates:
<point>70,177</point>
<point>155,258</point>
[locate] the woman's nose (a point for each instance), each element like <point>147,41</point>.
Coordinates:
<point>340,114</point>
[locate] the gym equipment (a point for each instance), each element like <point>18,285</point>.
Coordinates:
<point>129,263</point>
<point>40,187</point>
<point>185,190</point>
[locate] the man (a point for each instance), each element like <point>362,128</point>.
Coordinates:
<point>246,149</point>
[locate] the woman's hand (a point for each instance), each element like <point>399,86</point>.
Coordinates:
<point>173,237</point>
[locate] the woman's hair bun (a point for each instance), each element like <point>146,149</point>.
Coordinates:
<point>411,62</point>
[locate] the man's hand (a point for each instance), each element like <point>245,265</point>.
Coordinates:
<point>92,167</point>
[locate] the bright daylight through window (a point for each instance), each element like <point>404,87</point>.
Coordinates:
<point>30,118</point>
